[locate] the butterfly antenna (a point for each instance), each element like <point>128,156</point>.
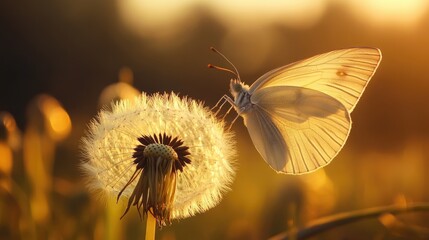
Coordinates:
<point>235,72</point>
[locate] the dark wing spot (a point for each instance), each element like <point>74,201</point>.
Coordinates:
<point>341,73</point>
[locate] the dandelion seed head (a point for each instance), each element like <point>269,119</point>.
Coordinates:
<point>113,136</point>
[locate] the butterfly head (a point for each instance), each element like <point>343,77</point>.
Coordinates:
<point>236,86</point>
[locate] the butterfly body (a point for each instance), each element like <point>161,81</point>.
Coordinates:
<point>240,92</point>
<point>298,115</point>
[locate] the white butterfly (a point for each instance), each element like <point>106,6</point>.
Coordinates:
<point>298,115</point>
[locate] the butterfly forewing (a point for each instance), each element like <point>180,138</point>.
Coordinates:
<point>341,74</point>
<point>314,127</point>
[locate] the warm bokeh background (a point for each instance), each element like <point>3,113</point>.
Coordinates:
<point>70,51</point>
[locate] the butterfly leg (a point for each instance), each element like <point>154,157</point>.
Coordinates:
<point>233,121</point>
<point>232,103</point>
<point>229,110</point>
<point>225,99</point>
<point>218,102</point>
<point>222,102</point>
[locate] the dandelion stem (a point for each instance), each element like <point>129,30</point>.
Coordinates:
<point>330,222</point>
<point>150,226</point>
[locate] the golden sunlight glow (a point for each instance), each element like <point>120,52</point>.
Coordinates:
<point>166,18</point>
<point>316,180</point>
<point>241,44</point>
<point>39,207</point>
<point>126,75</point>
<point>117,91</point>
<point>8,122</point>
<point>121,90</point>
<point>245,14</point>
<point>11,132</point>
<point>59,123</point>
<point>6,158</point>
<point>153,18</point>
<point>47,116</point>
<point>390,12</point>
<point>388,220</point>
<point>321,193</point>
<point>37,159</point>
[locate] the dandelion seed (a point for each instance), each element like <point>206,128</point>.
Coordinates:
<point>168,155</point>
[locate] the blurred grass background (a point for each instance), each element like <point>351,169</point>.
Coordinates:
<point>60,61</point>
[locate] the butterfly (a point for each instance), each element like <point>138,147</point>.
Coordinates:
<point>298,115</point>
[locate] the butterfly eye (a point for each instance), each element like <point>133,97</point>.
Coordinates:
<point>235,86</point>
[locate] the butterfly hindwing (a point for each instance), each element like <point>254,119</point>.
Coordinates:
<point>297,130</point>
<point>266,138</point>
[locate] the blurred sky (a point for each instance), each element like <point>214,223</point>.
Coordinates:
<point>73,49</point>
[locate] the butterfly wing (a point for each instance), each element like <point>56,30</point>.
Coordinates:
<point>266,137</point>
<point>341,74</point>
<point>297,130</point>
